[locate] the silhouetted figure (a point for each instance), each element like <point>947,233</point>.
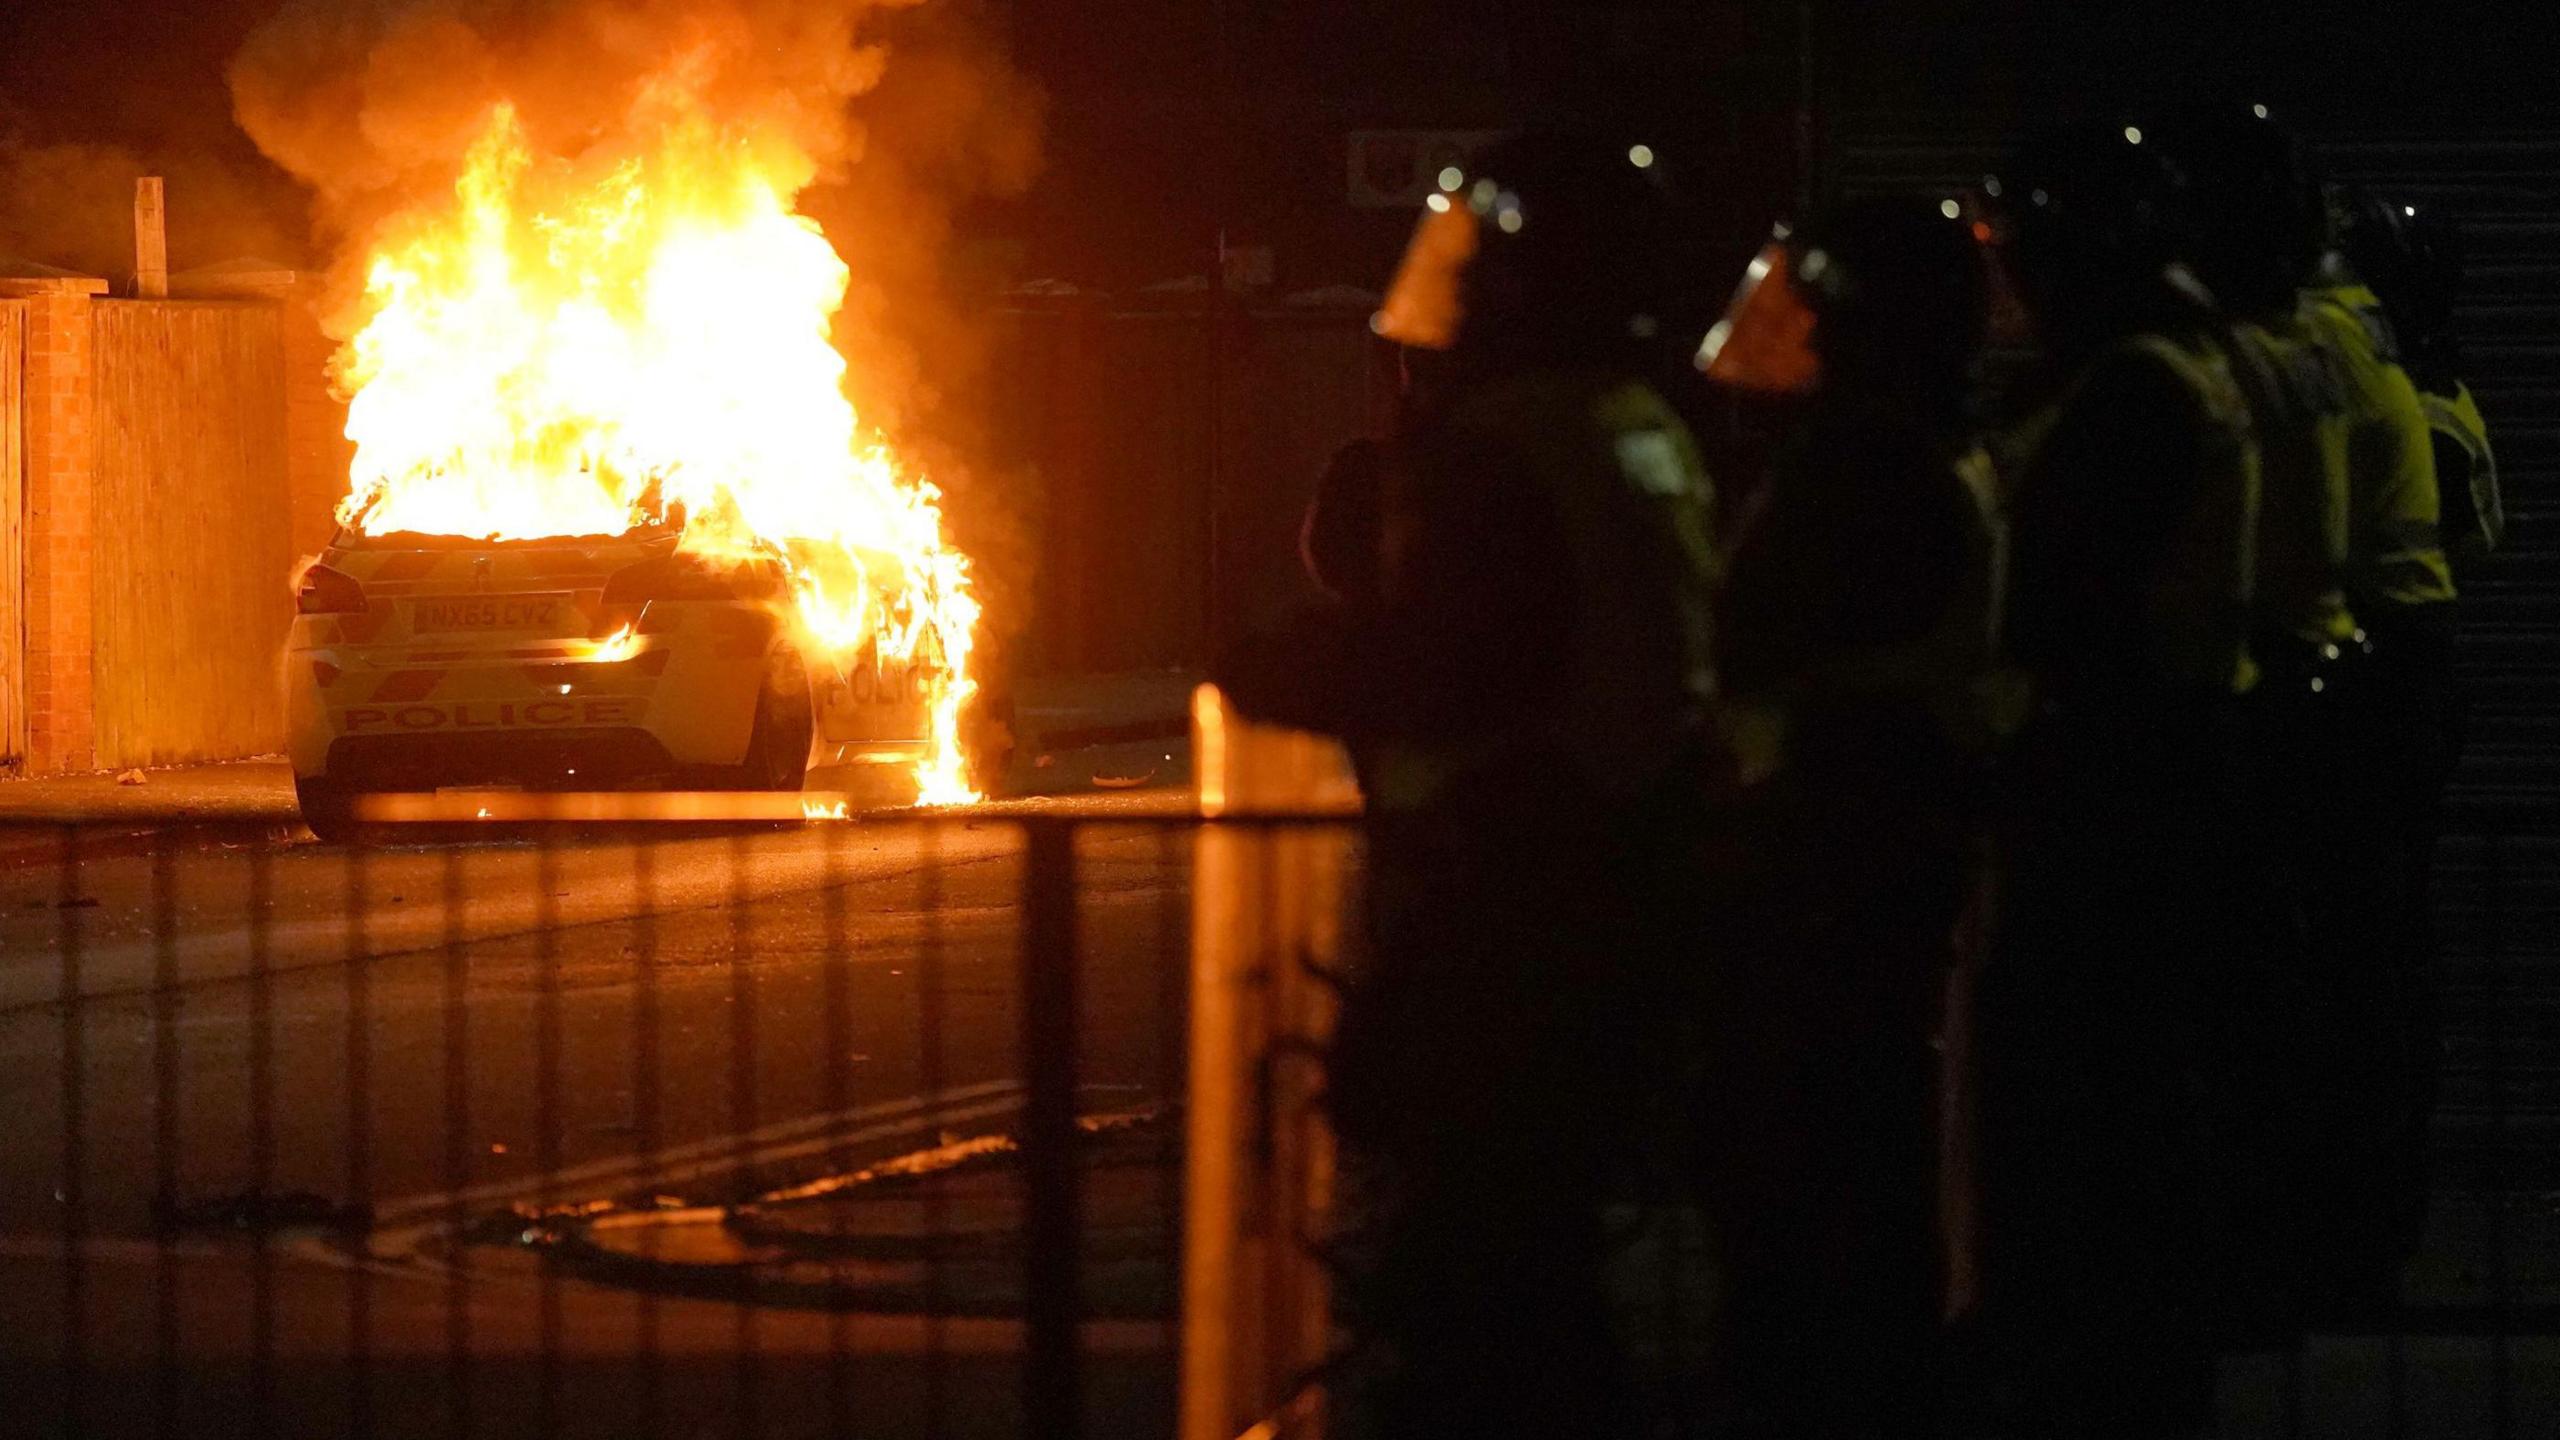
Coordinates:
<point>2307,1164</point>
<point>1856,637</point>
<point>2420,471</point>
<point>1300,671</point>
<point>2411,257</point>
<point>1341,540</point>
<point>1528,696</point>
<point>2107,1068</point>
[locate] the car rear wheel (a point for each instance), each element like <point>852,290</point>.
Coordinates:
<point>329,810</point>
<point>778,745</point>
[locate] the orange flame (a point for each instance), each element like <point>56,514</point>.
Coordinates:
<point>579,346</point>
<point>621,645</point>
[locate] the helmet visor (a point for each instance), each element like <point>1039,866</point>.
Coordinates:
<point>1764,343</point>
<point>1424,304</point>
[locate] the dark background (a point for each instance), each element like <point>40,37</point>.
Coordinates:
<point>1128,463</point>
<point>1165,116</point>
<point>1165,112</point>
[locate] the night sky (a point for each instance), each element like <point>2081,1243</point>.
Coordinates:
<point>1146,96</point>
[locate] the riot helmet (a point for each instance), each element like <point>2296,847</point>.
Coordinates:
<point>2256,223</point>
<point>2087,222</point>
<point>1551,244</point>
<point>1887,297</point>
<point>2411,256</point>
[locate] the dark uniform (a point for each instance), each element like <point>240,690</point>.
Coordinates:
<point>2412,258</point>
<point>1855,641</point>
<point>2405,739</point>
<point>1530,697</point>
<point>2307,1165</point>
<point>2108,1107</point>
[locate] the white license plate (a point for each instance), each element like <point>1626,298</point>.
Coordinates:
<point>447,614</point>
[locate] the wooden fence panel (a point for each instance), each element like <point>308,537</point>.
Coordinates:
<point>13,543</point>
<point>192,570</point>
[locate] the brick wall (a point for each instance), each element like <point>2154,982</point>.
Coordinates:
<point>59,437</point>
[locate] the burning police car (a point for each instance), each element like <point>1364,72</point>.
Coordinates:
<point>420,662</point>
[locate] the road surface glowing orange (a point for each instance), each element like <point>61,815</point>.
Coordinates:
<point>640,335</point>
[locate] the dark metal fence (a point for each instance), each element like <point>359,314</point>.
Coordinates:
<point>2474,1351</point>
<point>866,1128</point>
<point>600,1128</point>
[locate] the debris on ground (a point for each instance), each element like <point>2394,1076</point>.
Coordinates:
<point>258,1212</point>
<point>133,777</point>
<point>939,1230</point>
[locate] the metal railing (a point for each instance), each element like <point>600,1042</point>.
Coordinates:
<point>2474,1350</point>
<point>998,1122</point>
<point>541,1117</point>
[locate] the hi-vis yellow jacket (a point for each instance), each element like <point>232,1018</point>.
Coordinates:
<point>2395,553</point>
<point>2298,406</point>
<point>2134,521</point>
<point>2466,468</point>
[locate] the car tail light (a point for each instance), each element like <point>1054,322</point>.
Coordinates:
<point>328,592</point>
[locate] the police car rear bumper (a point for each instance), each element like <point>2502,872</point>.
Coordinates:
<point>472,723</point>
<point>597,758</point>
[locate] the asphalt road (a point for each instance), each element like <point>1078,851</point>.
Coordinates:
<point>269,1032</point>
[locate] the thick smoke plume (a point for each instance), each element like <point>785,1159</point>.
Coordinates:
<point>69,204</point>
<point>892,117</point>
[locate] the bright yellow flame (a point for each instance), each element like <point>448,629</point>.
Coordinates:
<point>618,646</point>
<point>582,346</point>
<point>814,808</point>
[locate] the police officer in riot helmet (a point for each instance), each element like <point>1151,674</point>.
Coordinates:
<point>2104,1067</point>
<point>2425,500</point>
<point>2255,215</point>
<point>1855,639</point>
<point>2088,225</point>
<point>2411,255</point>
<point>2092,239</point>
<point>1543,492</point>
<point>2328,1012</point>
<point>1529,689</point>
<point>2256,226</point>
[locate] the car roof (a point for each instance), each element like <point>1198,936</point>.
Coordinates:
<point>350,539</point>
